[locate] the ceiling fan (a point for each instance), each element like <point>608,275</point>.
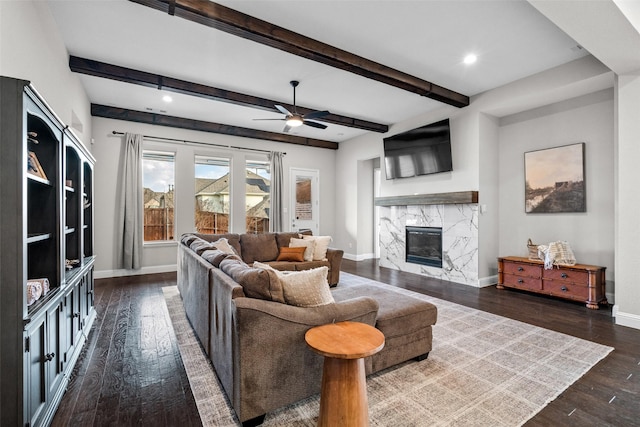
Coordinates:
<point>295,119</point>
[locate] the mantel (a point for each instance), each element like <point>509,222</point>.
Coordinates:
<point>458,197</point>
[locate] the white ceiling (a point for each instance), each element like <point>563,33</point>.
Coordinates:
<point>427,39</point>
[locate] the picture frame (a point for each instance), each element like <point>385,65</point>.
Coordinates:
<point>34,167</point>
<point>555,179</point>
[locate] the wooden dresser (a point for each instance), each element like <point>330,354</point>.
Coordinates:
<point>585,283</point>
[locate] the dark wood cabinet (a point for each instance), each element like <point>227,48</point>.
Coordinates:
<point>580,282</point>
<point>46,232</point>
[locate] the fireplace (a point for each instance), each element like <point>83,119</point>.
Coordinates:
<point>424,246</point>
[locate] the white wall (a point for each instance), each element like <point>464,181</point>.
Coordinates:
<point>587,119</point>
<point>489,189</point>
<point>627,245</point>
<point>31,49</point>
<point>162,257</point>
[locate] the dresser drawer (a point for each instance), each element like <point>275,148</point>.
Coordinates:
<point>566,275</point>
<point>527,270</point>
<point>522,282</point>
<point>566,290</point>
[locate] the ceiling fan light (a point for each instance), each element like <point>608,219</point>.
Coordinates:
<point>294,121</point>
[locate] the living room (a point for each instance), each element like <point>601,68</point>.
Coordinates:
<point>592,99</point>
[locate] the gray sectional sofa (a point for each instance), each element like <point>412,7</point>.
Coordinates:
<point>255,340</point>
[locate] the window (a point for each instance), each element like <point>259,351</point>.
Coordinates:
<point>158,180</point>
<point>212,179</point>
<point>258,196</point>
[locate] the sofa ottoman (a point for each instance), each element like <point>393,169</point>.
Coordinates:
<point>404,320</point>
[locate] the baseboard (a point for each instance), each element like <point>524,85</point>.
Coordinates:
<point>104,274</point>
<point>361,257</point>
<point>483,282</point>
<point>626,319</point>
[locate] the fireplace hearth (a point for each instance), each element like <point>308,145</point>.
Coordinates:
<point>424,246</point>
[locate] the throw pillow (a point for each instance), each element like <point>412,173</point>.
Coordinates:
<point>224,246</point>
<point>295,254</point>
<point>307,244</point>
<point>321,246</point>
<point>214,256</point>
<point>307,288</point>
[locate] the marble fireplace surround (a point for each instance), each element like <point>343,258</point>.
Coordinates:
<point>456,213</point>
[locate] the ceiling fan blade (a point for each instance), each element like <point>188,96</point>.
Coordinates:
<point>286,128</point>
<point>314,124</point>
<point>316,114</point>
<point>270,119</point>
<point>283,110</point>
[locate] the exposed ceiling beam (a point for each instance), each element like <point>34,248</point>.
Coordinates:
<point>117,113</point>
<point>231,21</point>
<point>143,78</point>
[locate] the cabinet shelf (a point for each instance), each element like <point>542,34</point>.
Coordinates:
<point>69,230</point>
<point>36,178</point>
<point>38,237</point>
<point>69,189</point>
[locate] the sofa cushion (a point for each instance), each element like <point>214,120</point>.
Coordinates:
<point>256,282</point>
<point>199,246</point>
<point>259,247</point>
<point>398,314</point>
<point>291,254</point>
<point>232,238</point>
<point>214,256</point>
<point>281,265</point>
<point>320,247</point>
<point>308,265</point>
<point>307,244</point>
<point>282,239</point>
<point>187,238</point>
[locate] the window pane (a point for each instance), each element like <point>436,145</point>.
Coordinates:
<point>258,196</point>
<point>212,195</point>
<point>158,180</point>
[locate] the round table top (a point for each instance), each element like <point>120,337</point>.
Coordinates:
<point>345,340</point>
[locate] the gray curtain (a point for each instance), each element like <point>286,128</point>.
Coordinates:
<point>131,228</point>
<point>275,213</point>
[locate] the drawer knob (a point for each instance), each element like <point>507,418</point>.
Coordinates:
<point>563,289</point>
<point>520,281</point>
<point>564,275</point>
<point>520,269</point>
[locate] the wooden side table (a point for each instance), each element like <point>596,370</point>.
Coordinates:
<point>343,400</point>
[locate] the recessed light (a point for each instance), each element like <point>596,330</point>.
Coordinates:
<point>167,98</point>
<point>470,59</point>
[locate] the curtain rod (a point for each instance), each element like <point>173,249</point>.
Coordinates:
<point>185,141</point>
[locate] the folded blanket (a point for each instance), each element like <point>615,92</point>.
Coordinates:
<point>557,253</point>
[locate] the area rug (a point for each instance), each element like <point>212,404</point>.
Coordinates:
<point>484,370</point>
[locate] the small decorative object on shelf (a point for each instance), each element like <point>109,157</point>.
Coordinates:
<point>36,288</point>
<point>71,263</point>
<point>33,166</point>
<point>31,137</point>
<point>68,183</point>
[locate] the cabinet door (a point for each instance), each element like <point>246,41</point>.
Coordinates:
<point>53,365</point>
<point>35,387</point>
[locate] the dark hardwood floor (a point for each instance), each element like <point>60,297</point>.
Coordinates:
<point>131,372</point>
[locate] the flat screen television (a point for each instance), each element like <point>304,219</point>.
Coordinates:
<point>422,151</point>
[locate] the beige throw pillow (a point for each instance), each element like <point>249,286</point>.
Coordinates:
<point>307,288</point>
<point>320,247</point>
<point>223,245</point>
<point>308,244</point>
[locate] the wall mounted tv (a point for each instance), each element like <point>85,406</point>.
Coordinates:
<point>422,151</point>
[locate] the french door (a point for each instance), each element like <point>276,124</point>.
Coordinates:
<point>305,200</point>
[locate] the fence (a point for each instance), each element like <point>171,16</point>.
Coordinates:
<point>158,224</point>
